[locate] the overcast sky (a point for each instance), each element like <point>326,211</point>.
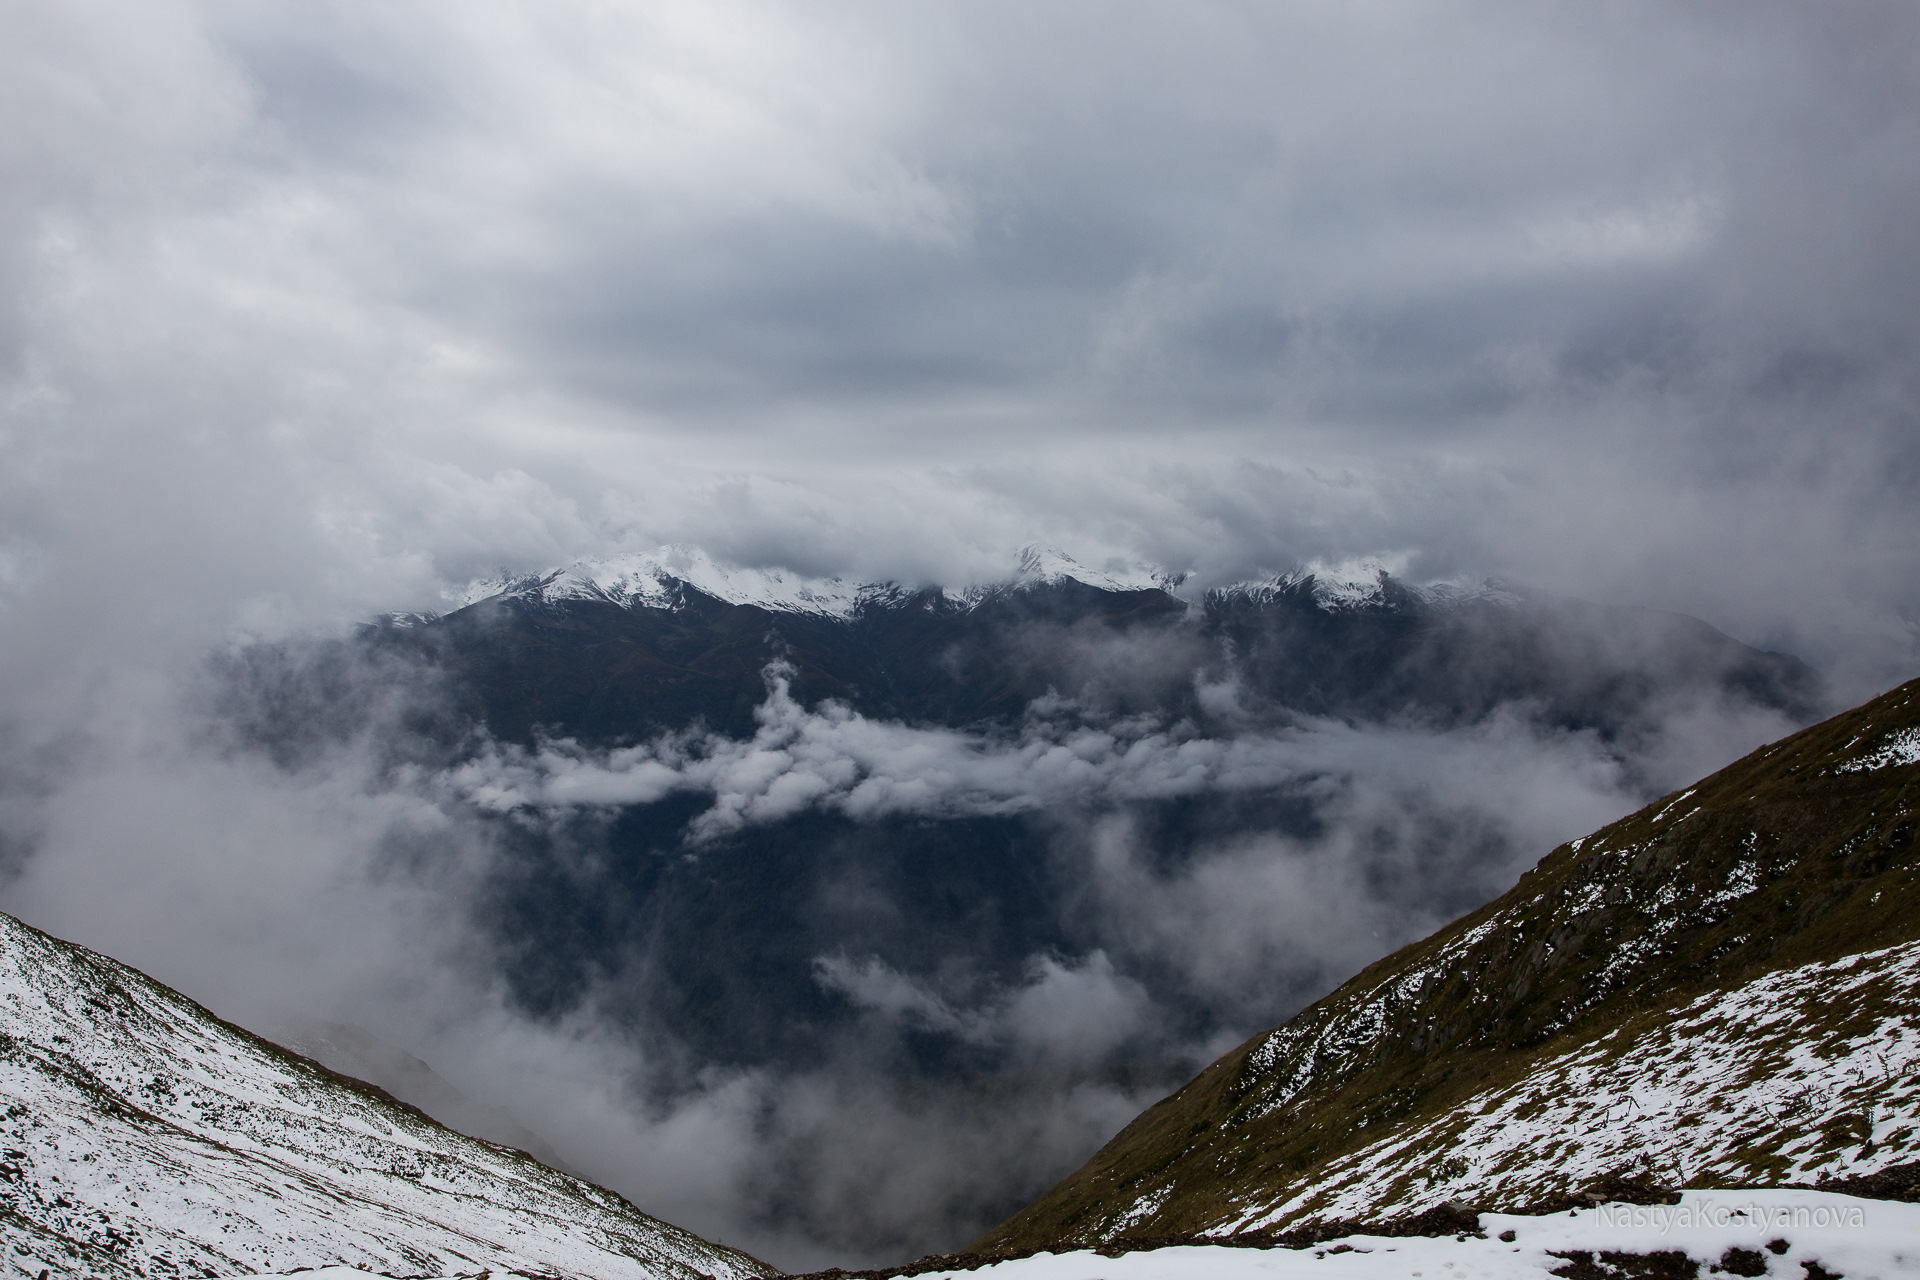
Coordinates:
<point>311,311</point>
<point>307,311</point>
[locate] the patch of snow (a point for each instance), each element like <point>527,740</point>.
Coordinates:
<point>1327,1041</point>
<point>1900,747</point>
<point>406,621</point>
<point>1743,881</point>
<point>1845,1235</point>
<point>1145,1207</point>
<point>1673,804</point>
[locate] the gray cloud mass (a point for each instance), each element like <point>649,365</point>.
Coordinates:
<point>313,312</point>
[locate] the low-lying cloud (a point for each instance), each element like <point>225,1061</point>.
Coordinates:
<point>350,882</point>
<point>1069,1012</point>
<point>833,757</point>
<point>313,312</point>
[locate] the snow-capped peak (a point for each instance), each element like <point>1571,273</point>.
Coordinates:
<point>653,579</point>
<point>1348,583</point>
<point>1050,566</point>
<point>650,578</point>
<point>1362,582</point>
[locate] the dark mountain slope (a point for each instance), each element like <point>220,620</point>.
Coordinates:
<point>1586,666</point>
<point>972,897</point>
<point>1345,736</point>
<point>1723,985</point>
<point>602,671</point>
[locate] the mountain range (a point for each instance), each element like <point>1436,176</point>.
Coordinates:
<point>782,825</point>
<point>608,651</point>
<point>1720,990</point>
<point>604,657</point>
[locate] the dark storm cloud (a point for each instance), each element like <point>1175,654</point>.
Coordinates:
<point>1616,301</point>
<point>310,314</point>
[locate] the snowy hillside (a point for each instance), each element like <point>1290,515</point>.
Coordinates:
<point>1796,1235</point>
<point>1675,1100</point>
<point>1804,1235</point>
<point>143,1137</point>
<point>1721,988</point>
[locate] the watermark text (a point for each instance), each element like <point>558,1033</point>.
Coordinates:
<point>1705,1213</point>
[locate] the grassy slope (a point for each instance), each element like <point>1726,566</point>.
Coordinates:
<point>1618,926</point>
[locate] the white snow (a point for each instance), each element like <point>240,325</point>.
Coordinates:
<point>647,580</point>
<point>1673,804</point>
<point>1682,1100</point>
<point>142,1136</point>
<point>1050,565</point>
<point>1899,747</point>
<point>650,580</point>
<point>1361,583</point>
<point>1847,1236</point>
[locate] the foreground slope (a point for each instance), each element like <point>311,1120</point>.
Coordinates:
<point>1797,1234</point>
<point>142,1136</point>
<point>1723,987</point>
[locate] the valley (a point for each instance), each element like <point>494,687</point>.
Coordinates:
<point>1718,990</point>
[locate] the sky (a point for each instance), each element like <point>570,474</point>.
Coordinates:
<point>313,312</point>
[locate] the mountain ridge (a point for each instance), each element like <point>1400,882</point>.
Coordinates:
<point>547,722</point>
<point>145,1136</point>
<point>654,579</point>
<point>610,658</point>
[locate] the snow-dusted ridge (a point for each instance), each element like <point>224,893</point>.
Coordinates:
<point>1721,989</point>
<point>654,579</point>
<point>143,1137</point>
<point>1368,583</point>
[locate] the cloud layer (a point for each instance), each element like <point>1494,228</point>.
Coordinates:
<point>372,299</point>
<point>308,315</point>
